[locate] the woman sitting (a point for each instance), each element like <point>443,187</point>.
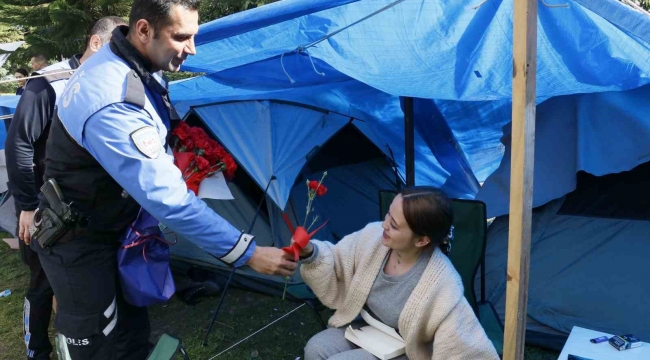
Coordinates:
<point>398,271</point>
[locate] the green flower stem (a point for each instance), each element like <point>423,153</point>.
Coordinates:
<point>286,283</point>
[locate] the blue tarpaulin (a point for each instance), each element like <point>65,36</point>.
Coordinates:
<point>7,107</point>
<point>257,18</point>
<point>455,57</point>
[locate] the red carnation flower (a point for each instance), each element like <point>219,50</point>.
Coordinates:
<point>219,153</point>
<point>202,163</point>
<point>188,143</point>
<point>182,126</point>
<point>202,144</point>
<point>198,133</point>
<point>210,154</point>
<point>320,190</point>
<point>181,133</point>
<point>231,167</point>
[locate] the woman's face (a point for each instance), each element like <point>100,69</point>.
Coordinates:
<point>20,76</point>
<point>397,234</point>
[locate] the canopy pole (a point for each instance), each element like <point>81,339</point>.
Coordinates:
<point>521,175</point>
<point>409,141</point>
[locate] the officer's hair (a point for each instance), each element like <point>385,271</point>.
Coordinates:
<point>104,27</point>
<point>41,58</point>
<point>156,12</point>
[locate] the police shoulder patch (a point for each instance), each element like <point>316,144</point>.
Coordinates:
<point>147,141</point>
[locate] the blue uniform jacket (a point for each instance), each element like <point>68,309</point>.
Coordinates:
<point>128,141</point>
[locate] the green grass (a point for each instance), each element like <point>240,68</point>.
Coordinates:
<point>14,275</point>
<point>243,313</point>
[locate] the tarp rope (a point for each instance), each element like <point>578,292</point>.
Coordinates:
<point>258,331</point>
<point>38,76</point>
<point>351,25</point>
<point>303,49</point>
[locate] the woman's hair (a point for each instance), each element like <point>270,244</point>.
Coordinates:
<point>22,71</point>
<point>428,212</point>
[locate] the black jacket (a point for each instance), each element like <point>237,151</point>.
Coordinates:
<point>26,138</point>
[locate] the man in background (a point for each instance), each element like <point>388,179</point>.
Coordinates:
<point>38,62</point>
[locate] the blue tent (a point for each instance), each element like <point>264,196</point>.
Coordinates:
<point>357,60</point>
<point>7,212</point>
<point>7,107</point>
<point>280,146</point>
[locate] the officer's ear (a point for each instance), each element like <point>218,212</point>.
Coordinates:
<point>95,43</point>
<point>143,30</point>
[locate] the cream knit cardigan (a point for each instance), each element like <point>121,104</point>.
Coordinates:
<point>342,275</point>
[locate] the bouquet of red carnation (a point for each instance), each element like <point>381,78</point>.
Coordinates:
<point>301,235</point>
<point>198,156</point>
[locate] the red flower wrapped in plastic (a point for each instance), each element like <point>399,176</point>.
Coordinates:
<point>182,131</point>
<point>202,144</point>
<point>202,163</point>
<point>301,235</point>
<point>198,156</point>
<point>231,166</point>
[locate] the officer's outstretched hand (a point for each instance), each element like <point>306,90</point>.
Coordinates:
<point>272,261</point>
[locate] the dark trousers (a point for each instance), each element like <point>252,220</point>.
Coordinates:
<point>94,321</point>
<point>38,305</point>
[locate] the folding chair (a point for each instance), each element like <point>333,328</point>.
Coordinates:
<point>166,349</point>
<point>467,254</point>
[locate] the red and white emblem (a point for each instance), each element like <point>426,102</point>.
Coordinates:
<point>147,141</point>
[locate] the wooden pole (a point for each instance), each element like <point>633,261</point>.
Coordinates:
<point>521,175</point>
<point>409,141</point>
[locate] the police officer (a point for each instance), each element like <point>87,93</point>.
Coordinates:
<point>107,153</point>
<point>24,147</point>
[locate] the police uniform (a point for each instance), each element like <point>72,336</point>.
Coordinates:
<point>106,152</point>
<point>25,152</point>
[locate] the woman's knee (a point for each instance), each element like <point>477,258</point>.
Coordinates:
<point>357,354</point>
<point>313,350</point>
<point>325,344</point>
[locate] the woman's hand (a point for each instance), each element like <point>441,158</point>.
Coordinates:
<point>307,250</point>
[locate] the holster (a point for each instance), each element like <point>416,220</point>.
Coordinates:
<point>49,227</point>
<point>52,222</point>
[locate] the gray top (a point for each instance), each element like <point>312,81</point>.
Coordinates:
<point>390,293</point>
